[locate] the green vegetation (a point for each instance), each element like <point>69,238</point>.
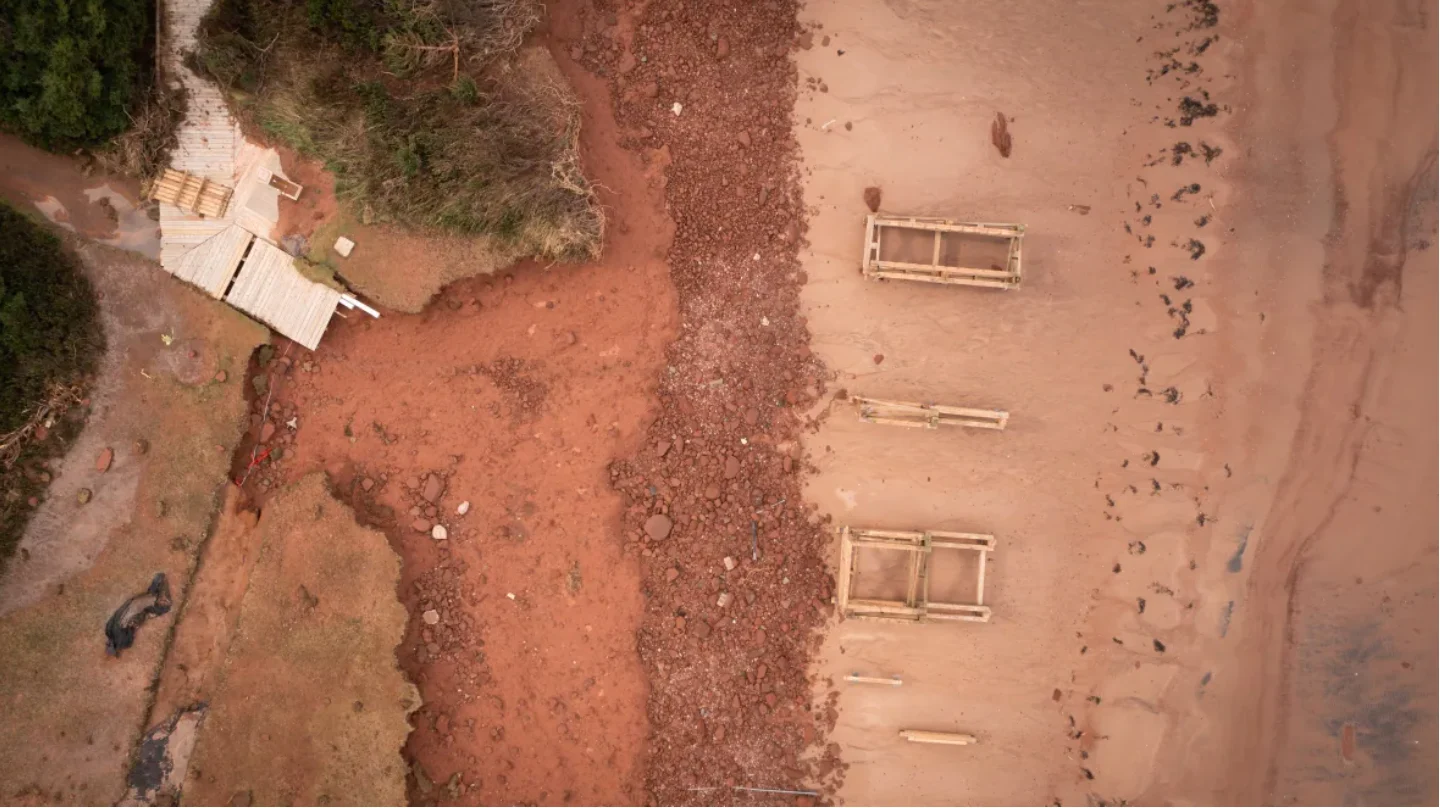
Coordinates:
<point>70,69</point>
<point>80,74</point>
<point>50,338</point>
<point>429,118</point>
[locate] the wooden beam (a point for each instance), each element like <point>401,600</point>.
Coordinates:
<point>946,272</point>
<point>949,738</point>
<point>949,226</point>
<point>856,678</point>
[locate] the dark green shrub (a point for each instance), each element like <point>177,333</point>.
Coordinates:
<point>49,330</point>
<point>69,70</point>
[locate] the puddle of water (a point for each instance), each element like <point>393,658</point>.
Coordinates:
<point>99,207</point>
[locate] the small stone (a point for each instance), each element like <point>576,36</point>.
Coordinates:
<point>662,448</point>
<point>671,574</point>
<point>421,525</point>
<point>431,617</point>
<point>83,496</point>
<point>221,376</point>
<point>732,467</point>
<point>879,357</point>
<point>438,533</point>
<point>658,526</point>
<point>141,446</point>
<point>729,563</point>
<point>367,483</point>
<point>434,487</point>
<point>712,492</point>
<point>107,455</point>
<point>744,138</point>
<point>412,482</point>
<point>722,47</point>
<point>463,508</point>
<point>724,599</point>
<point>752,416</point>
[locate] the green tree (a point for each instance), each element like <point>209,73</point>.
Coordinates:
<point>69,69</point>
<point>49,332</point>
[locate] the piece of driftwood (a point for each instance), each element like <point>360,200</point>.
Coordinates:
<point>893,681</point>
<point>875,268</point>
<point>917,606</point>
<point>923,736</point>
<point>927,416</point>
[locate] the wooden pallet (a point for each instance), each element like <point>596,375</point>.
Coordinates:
<point>927,416</point>
<point>935,272</point>
<point>917,606</point>
<point>192,193</point>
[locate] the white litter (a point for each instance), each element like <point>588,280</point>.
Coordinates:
<point>675,108</point>
<point>463,508</point>
<point>344,246</point>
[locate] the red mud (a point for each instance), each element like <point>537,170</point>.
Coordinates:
<point>511,393</point>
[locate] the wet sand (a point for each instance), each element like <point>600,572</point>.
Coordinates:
<point>1193,449</point>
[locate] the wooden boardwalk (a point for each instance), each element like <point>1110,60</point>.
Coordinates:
<point>231,256</point>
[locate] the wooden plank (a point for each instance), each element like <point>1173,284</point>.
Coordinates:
<point>847,564</point>
<point>903,276</point>
<point>946,272</point>
<point>935,255</point>
<point>948,738</point>
<point>893,681</point>
<point>886,607</point>
<point>980,579</point>
<point>912,582</point>
<point>951,226</point>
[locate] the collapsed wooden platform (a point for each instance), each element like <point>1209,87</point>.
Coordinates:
<point>877,267</point>
<point>917,606</point>
<point>927,416</point>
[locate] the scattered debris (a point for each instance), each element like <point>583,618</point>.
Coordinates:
<point>120,628</point>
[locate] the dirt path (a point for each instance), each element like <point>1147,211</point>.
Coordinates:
<point>72,712</point>
<point>1137,492</point>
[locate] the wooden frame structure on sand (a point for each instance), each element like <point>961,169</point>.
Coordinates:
<point>936,272</point>
<point>927,416</point>
<point>917,606</point>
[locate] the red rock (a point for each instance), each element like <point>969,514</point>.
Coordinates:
<point>649,90</point>
<point>712,492</point>
<point>102,463</point>
<point>744,138</point>
<point>722,47</point>
<point>879,357</point>
<point>221,376</point>
<point>752,416</point>
<point>732,467</point>
<point>367,483</point>
<point>267,431</point>
<point>434,487</point>
<point>658,526</point>
<point>671,574</point>
<point>662,448</point>
<point>420,526</point>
